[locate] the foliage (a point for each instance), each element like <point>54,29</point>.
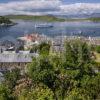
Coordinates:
<point>4,92</point>
<point>44,48</point>
<point>42,71</point>
<point>4,20</point>
<point>12,77</point>
<point>97,49</point>
<point>68,76</point>
<point>34,49</point>
<point>39,92</point>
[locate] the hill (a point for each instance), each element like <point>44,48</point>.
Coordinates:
<point>48,18</point>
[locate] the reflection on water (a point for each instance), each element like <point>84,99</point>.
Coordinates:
<point>65,28</point>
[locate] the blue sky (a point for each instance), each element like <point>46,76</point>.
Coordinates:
<point>38,7</point>
<point>64,1</point>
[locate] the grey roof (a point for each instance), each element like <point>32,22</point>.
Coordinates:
<point>17,57</point>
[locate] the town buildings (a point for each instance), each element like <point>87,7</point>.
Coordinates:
<point>12,56</point>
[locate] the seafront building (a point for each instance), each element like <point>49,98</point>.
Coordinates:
<point>33,39</point>
<point>11,57</point>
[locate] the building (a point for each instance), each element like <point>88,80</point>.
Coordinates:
<point>11,60</point>
<point>33,39</point>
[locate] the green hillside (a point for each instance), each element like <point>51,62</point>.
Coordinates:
<point>30,17</point>
<point>50,18</point>
<point>95,19</point>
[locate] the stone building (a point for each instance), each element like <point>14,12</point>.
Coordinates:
<point>9,61</point>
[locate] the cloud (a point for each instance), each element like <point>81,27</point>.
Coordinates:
<point>30,6</point>
<point>41,7</point>
<point>81,8</point>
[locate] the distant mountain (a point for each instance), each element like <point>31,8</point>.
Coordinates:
<point>79,15</point>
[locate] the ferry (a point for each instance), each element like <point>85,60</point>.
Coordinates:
<point>44,26</point>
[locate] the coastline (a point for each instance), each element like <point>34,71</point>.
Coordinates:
<point>4,25</point>
<point>52,18</point>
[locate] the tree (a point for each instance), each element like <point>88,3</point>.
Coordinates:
<point>34,49</point>
<point>78,59</point>
<point>4,92</point>
<point>4,20</point>
<point>69,76</point>
<point>41,70</point>
<point>39,92</point>
<point>62,76</point>
<point>12,77</point>
<point>97,49</point>
<point>44,48</point>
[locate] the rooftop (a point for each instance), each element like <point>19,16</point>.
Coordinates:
<point>17,57</point>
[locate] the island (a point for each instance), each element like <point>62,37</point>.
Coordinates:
<point>94,19</point>
<point>6,21</point>
<point>48,18</point>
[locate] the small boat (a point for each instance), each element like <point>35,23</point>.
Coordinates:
<point>44,26</point>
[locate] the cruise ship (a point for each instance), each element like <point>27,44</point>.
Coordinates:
<point>44,26</point>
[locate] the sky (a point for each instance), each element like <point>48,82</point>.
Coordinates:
<point>65,1</point>
<point>44,7</point>
<point>81,1</point>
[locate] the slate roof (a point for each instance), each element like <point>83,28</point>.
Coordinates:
<point>17,57</point>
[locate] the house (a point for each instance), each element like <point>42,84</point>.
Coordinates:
<point>10,60</point>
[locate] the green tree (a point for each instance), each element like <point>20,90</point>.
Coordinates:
<point>44,48</point>
<point>4,92</point>
<point>42,71</point>
<point>97,49</point>
<point>34,49</point>
<point>4,20</point>
<point>12,77</point>
<point>69,77</point>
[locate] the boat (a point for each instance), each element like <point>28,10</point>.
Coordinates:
<point>44,26</point>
